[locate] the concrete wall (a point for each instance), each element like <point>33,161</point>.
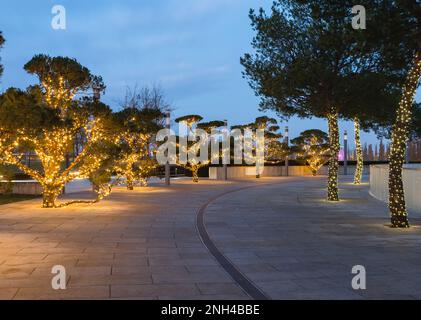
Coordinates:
<point>238,172</point>
<point>25,187</point>
<point>379,184</point>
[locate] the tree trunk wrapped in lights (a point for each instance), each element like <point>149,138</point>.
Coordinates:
<point>359,153</point>
<point>192,165</point>
<point>332,188</point>
<point>400,135</point>
<point>195,173</point>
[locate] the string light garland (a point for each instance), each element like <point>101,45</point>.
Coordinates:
<point>311,146</point>
<point>192,164</point>
<point>359,153</point>
<point>51,148</point>
<point>400,136</point>
<point>52,144</point>
<point>332,187</point>
<point>135,165</point>
<point>315,155</point>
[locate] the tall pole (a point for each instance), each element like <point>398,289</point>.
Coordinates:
<point>96,98</point>
<point>167,164</point>
<point>225,137</point>
<point>287,156</point>
<point>345,153</point>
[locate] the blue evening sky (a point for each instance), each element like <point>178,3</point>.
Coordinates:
<point>191,48</point>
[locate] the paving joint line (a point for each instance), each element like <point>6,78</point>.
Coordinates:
<point>242,280</point>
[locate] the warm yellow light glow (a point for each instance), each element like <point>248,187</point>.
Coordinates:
<point>53,145</point>
<point>359,152</point>
<point>332,188</point>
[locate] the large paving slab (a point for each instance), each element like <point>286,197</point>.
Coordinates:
<point>292,244</point>
<point>141,244</point>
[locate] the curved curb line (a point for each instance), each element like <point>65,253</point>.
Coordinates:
<point>246,284</point>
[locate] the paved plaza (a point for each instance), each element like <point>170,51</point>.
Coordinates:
<point>278,233</point>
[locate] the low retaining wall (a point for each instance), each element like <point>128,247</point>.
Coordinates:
<point>27,187</point>
<point>237,172</point>
<point>379,184</point>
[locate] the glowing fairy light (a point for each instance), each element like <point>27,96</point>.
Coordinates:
<point>359,153</point>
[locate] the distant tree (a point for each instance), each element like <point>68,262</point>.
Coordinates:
<point>376,153</point>
<point>370,152</point>
<point>415,130</point>
<point>382,151</point>
<point>136,127</point>
<point>274,149</point>
<point>365,152</point>
<point>46,118</point>
<point>191,148</point>
<point>313,147</point>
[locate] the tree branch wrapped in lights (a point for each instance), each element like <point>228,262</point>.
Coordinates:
<point>136,129</point>
<point>190,148</point>
<point>46,118</point>
<point>313,147</point>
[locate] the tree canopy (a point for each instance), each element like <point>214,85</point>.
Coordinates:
<point>139,120</point>
<point>189,120</point>
<point>312,146</point>
<point>46,119</point>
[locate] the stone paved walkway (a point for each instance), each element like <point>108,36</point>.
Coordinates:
<point>144,244</point>
<point>293,245</point>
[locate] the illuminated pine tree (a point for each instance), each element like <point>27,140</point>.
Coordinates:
<point>135,130</point>
<point>190,145</point>
<point>312,146</point>
<point>307,63</point>
<point>46,118</point>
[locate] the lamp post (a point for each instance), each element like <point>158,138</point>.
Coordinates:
<point>167,164</point>
<point>287,156</point>
<point>225,165</point>
<point>97,92</point>
<point>345,153</point>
